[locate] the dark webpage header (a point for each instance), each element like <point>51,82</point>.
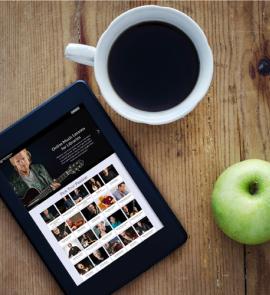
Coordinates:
<point>56,156</point>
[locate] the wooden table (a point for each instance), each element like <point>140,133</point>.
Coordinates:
<point>232,123</point>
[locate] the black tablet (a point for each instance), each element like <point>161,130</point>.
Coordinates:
<point>81,196</point>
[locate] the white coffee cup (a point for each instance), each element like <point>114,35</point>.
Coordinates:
<point>98,57</point>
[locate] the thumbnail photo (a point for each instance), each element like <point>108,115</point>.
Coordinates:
<point>128,236</point>
<point>75,221</point>
<point>105,202</point>
<point>73,248</point>
<point>113,246</point>
<point>99,256</point>
<point>94,183</point>
<point>61,231</point>
<point>87,239</point>
<point>64,204</point>
<point>108,174</point>
<point>49,214</point>
<point>120,191</point>
<point>102,228</point>
<point>84,266</point>
<point>117,218</point>
<point>132,208</point>
<point>79,194</point>
<point>91,211</point>
<point>143,226</point>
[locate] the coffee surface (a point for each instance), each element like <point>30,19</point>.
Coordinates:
<point>153,66</point>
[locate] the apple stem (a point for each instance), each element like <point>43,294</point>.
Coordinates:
<point>253,188</point>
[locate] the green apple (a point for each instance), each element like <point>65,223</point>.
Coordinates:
<point>241,201</point>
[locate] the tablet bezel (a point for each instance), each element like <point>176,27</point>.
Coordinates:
<point>172,232</point>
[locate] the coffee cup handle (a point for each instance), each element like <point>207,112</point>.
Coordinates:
<point>81,53</point>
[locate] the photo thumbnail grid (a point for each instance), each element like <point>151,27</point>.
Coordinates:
<point>97,222</point>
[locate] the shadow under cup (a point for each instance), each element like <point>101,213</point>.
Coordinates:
<point>153,66</point>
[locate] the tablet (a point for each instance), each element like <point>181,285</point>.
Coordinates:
<point>81,196</point>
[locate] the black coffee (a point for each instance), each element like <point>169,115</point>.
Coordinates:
<point>153,66</point>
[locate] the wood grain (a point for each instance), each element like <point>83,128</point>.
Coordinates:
<point>253,111</point>
<point>183,158</point>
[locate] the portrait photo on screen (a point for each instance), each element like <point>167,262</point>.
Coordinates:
<point>117,218</point>
<point>113,246</point>
<point>143,226</point>
<point>49,161</point>
<point>102,228</point>
<point>132,208</point>
<point>120,191</point>
<point>50,214</point>
<point>128,235</point>
<point>79,194</point>
<point>108,174</point>
<point>64,204</point>
<point>94,184</point>
<point>87,239</point>
<point>61,231</point>
<point>30,179</point>
<point>84,266</point>
<point>75,221</point>
<point>73,248</point>
<point>105,202</point>
<point>99,256</point>
<point>90,211</point>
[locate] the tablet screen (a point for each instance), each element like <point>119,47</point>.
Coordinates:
<point>80,195</point>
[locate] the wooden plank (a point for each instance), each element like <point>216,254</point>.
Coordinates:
<point>33,36</point>
<point>251,38</point>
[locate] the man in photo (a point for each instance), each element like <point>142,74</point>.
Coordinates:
<point>75,221</point>
<point>121,191</point>
<point>73,250</point>
<point>78,194</point>
<point>67,203</point>
<point>108,173</point>
<point>131,208</point>
<point>102,229</point>
<point>49,214</point>
<point>64,204</point>
<point>29,176</point>
<point>113,246</point>
<point>128,236</point>
<point>127,211</point>
<point>90,211</point>
<point>143,226</point>
<point>99,256</point>
<point>87,239</point>
<point>61,231</point>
